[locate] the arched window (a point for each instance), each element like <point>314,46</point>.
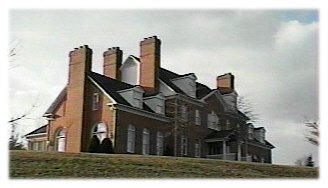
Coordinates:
<point>60,140</point>
<point>100,130</point>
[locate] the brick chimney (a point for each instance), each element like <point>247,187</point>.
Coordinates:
<point>225,83</point>
<point>150,58</point>
<point>79,64</point>
<point>112,63</point>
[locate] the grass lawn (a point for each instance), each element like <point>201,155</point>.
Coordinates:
<point>31,164</point>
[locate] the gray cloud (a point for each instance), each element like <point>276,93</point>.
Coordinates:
<point>273,57</point>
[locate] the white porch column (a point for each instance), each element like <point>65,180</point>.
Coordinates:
<point>224,149</point>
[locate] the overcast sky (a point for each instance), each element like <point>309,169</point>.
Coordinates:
<point>273,55</point>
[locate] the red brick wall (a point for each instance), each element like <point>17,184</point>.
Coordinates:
<point>112,63</point>
<point>150,63</point>
<point>140,122</point>
<point>92,117</point>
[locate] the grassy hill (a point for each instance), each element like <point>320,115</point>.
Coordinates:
<point>29,164</point>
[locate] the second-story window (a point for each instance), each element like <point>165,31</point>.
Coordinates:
<point>95,101</point>
<point>197,117</point>
<point>212,121</point>
<point>183,113</point>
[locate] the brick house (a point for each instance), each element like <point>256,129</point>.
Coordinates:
<point>141,108</point>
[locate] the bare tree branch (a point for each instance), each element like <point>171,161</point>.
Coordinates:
<point>313,138</point>
<point>246,106</point>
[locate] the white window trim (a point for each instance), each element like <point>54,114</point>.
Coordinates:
<point>131,139</point>
<point>95,101</point>
<point>197,148</point>
<point>184,146</point>
<point>184,112</point>
<point>198,118</point>
<point>145,141</point>
<point>159,143</point>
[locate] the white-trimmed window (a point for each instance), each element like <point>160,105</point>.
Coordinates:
<point>183,112</point>
<point>145,141</point>
<point>197,148</point>
<point>131,139</point>
<point>197,117</point>
<point>184,145</point>
<point>95,101</point>
<point>159,143</point>
<point>60,140</point>
<point>100,130</point>
<point>212,121</point>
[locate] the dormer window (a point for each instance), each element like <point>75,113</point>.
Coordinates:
<point>156,103</point>
<point>187,83</point>
<point>134,96</point>
<point>95,101</point>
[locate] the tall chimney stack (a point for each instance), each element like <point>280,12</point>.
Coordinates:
<point>225,83</point>
<point>112,63</point>
<point>80,60</point>
<point>150,58</point>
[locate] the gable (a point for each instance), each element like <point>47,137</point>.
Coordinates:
<point>215,97</point>
<point>187,84</point>
<point>55,105</point>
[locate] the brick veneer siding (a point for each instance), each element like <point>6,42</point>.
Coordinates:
<point>140,122</point>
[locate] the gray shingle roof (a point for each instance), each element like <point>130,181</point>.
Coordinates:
<point>39,130</point>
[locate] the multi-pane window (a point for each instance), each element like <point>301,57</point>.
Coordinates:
<point>212,121</point>
<point>159,143</point>
<point>183,112</point>
<point>60,141</point>
<point>197,117</point>
<point>95,101</point>
<point>145,142</point>
<point>184,145</point>
<point>197,148</point>
<point>131,139</point>
<point>38,146</point>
